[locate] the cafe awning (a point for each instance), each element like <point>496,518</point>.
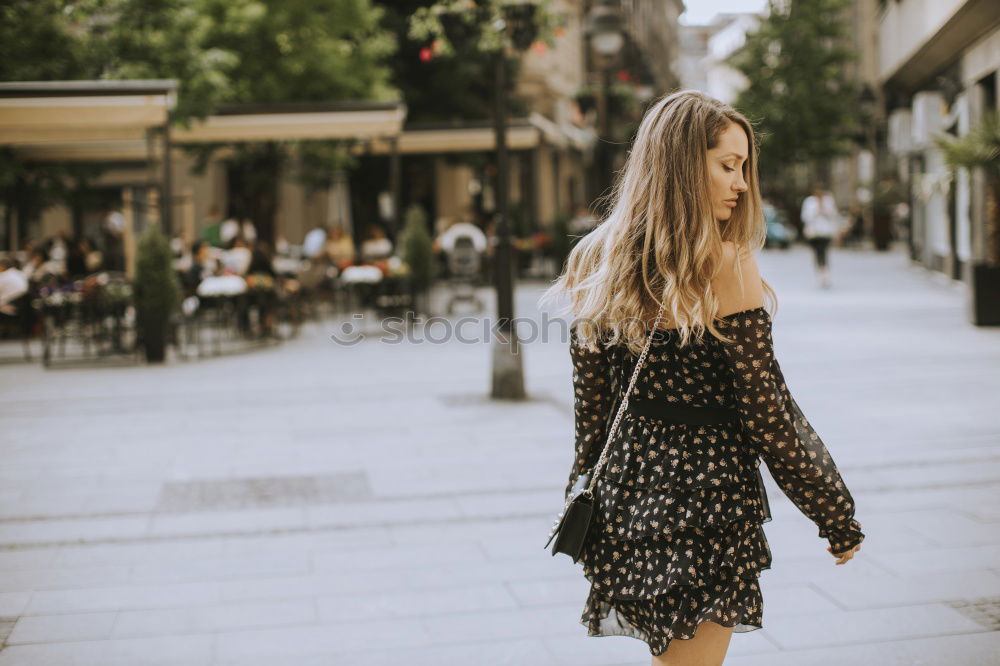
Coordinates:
<point>61,113</point>
<point>478,136</point>
<point>290,122</point>
<point>100,123</point>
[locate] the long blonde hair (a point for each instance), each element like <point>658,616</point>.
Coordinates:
<point>661,210</point>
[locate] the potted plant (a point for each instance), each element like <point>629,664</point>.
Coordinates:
<point>417,252</point>
<point>157,291</point>
<point>980,149</point>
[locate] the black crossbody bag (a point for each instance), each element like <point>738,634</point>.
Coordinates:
<point>574,521</point>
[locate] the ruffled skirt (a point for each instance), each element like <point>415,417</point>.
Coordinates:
<point>677,537</point>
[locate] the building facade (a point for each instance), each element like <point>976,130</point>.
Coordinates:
<point>938,64</point>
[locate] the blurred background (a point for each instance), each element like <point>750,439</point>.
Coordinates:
<point>252,254</point>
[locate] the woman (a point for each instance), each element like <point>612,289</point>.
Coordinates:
<point>820,224</point>
<point>676,546</point>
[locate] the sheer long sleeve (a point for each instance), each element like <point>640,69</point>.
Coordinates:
<point>792,450</point>
<point>592,401</point>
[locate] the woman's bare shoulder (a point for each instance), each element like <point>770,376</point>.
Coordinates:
<point>738,283</point>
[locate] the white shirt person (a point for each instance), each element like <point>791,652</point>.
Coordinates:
<point>820,217</point>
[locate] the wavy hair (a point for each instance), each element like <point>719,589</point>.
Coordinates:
<point>661,236</point>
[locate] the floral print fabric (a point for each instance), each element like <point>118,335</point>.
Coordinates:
<point>678,538</point>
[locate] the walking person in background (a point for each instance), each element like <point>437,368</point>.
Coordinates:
<point>821,223</point>
<point>676,546</point>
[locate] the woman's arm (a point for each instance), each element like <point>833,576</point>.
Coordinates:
<point>591,405</point>
<point>792,450</point>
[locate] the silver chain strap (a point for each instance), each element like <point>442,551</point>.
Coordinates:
<point>623,406</point>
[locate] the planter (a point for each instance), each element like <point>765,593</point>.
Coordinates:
<point>154,336</point>
<point>882,232</point>
<point>984,294</point>
<point>156,290</point>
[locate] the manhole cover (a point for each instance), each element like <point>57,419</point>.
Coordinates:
<point>263,491</point>
<point>985,611</point>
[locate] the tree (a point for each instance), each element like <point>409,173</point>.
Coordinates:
<point>38,42</point>
<point>437,88</point>
<point>800,97</point>
<point>221,52</point>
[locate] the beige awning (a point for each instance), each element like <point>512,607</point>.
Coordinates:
<point>60,132</point>
<point>454,140</point>
<point>288,122</point>
<point>132,150</point>
<point>521,135</point>
<point>50,113</point>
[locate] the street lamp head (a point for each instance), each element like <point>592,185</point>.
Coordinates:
<point>608,43</point>
<point>604,28</point>
<point>522,24</point>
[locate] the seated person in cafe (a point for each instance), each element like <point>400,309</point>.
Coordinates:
<point>339,248</point>
<point>203,264</point>
<point>377,245</point>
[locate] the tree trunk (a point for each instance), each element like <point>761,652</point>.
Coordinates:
<point>253,180</point>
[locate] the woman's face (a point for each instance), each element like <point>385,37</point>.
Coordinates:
<point>726,163</point>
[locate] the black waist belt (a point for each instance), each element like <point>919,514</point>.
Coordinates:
<point>665,411</point>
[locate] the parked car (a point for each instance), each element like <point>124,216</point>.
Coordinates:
<point>778,233</point>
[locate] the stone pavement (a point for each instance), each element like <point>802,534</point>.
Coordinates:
<point>367,504</point>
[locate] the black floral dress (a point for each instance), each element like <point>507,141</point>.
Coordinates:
<point>679,508</point>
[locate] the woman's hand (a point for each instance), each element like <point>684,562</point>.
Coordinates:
<point>847,554</point>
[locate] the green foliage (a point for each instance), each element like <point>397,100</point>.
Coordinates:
<point>481,18</point>
<point>301,50</point>
<point>39,42</point>
<point>799,97</point>
<point>157,291</point>
<point>133,39</point>
<point>979,148</point>
<point>417,248</point>
<point>439,89</point>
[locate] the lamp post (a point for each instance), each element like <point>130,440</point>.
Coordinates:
<point>517,23</point>
<point>508,374</point>
<point>605,32</point>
